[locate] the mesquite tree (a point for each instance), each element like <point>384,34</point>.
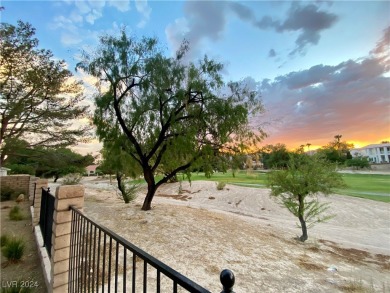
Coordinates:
<point>38,99</point>
<point>299,185</point>
<point>171,113</point>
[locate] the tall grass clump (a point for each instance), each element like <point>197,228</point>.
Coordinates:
<point>128,191</point>
<point>15,214</point>
<point>4,239</point>
<point>221,185</point>
<point>13,250</point>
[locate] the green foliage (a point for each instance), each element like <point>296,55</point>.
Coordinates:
<point>275,156</point>
<point>297,187</point>
<point>4,239</point>
<point>60,162</point>
<point>38,98</point>
<point>167,114</point>
<point>221,185</point>
<point>47,162</point>
<point>306,175</point>
<point>8,193</point>
<point>128,191</point>
<point>72,179</point>
<point>14,249</point>
<point>115,160</point>
<point>358,163</point>
<point>336,151</point>
<point>314,210</point>
<point>15,214</point>
<point>21,169</point>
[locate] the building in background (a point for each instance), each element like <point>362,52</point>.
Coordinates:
<point>376,153</point>
<point>4,171</point>
<point>91,170</point>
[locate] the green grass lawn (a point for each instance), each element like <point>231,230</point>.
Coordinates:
<point>369,186</point>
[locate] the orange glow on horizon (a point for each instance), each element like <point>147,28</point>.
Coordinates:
<point>291,145</point>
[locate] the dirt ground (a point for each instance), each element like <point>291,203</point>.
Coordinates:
<point>28,271</point>
<point>203,230</point>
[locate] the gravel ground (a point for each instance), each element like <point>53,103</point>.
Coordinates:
<point>202,231</point>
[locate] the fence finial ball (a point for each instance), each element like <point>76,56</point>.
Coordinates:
<point>227,279</point>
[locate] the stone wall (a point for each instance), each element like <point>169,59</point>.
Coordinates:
<point>20,183</point>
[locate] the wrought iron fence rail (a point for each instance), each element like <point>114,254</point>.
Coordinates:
<point>46,218</point>
<point>87,253</point>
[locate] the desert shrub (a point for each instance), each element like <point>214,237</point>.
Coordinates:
<point>72,179</point>
<point>13,250</point>
<point>15,214</point>
<point>6,193</point>
<point>128,191</point>
<point>221,185</point>
<point>4,239</point>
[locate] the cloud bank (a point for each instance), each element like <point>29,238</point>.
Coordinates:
<point>207,20</point>
<point>73,30</point>
<point>349,98</point>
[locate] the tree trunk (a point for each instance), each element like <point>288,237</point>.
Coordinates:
<point>119,181</point>
<point>301,218</point>
<point>304,236</point>
<point>148,199</point>
<point>149,178</point>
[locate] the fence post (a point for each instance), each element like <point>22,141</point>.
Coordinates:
<point>37,202</point>
<point>227,279</point>
<point>66,196</point>
<point>31,189</point>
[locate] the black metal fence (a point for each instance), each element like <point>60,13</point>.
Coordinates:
<point>46,218</point>
<point>35,188</point>
<point>102,261</point>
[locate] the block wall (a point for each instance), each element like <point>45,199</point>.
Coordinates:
<point>16,182</point>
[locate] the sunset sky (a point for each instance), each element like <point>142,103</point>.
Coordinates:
<point>322,67</point>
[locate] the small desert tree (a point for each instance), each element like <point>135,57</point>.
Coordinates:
<point>172,113</point>
<point>299,185</point>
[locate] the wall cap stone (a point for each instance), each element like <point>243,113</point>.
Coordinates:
<point>69,191</point>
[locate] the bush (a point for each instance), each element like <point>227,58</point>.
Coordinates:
<point>8,193</point>
<point>129,191</point>
<point>15,214</point>
<point>13,250</point>
<point>4,239</point>
<point>72,179</point>
<point>358,163</point>
<point>221,185</point>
